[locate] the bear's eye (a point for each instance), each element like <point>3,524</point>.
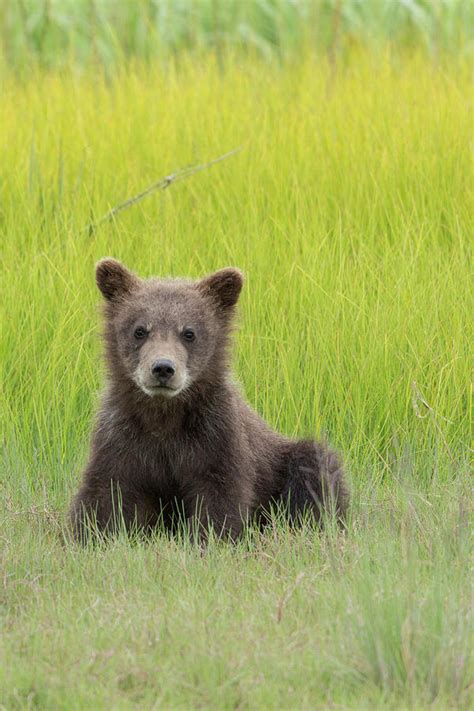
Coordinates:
<point>140,333</point>
<point>189,335</point>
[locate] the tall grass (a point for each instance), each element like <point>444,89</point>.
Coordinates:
<point>103,31</point>
<point>349,209</point>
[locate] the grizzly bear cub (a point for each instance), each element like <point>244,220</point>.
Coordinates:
<point>174,439</point>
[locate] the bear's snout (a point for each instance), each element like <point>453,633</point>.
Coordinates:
<point>163,370</point>
<point>163,373</point>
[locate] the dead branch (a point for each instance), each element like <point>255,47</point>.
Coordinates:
<point>161,184</point>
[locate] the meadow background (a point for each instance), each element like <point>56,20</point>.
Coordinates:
<point>349,207</point>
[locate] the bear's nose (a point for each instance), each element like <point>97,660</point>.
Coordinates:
<point>163,370</point>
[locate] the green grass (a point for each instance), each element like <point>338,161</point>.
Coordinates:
<point>349,209</point>
<point>51,32</point>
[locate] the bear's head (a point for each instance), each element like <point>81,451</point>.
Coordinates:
<point>166,336</point>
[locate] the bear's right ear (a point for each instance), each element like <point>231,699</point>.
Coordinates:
<point>114,280</point>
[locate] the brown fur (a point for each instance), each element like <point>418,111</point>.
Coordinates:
<point>194,449</point>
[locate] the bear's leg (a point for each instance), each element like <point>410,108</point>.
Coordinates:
<point>314,482</point>
<point>213,506</point>
<point>107,508</point>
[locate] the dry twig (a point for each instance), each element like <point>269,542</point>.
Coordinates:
<point>161,184</point>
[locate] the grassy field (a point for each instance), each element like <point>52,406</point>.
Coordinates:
<point>349,208</point>
<point>105,32</point>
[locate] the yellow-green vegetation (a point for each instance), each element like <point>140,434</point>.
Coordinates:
<point>51,32</point>
<point>349,208</point>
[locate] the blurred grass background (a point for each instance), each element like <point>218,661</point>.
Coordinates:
<point>55,32</point>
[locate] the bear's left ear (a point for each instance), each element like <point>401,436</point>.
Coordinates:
<point>223,287</point>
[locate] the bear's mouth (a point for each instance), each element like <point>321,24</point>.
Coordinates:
<point>164,390</point>
<point>156,389</point>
